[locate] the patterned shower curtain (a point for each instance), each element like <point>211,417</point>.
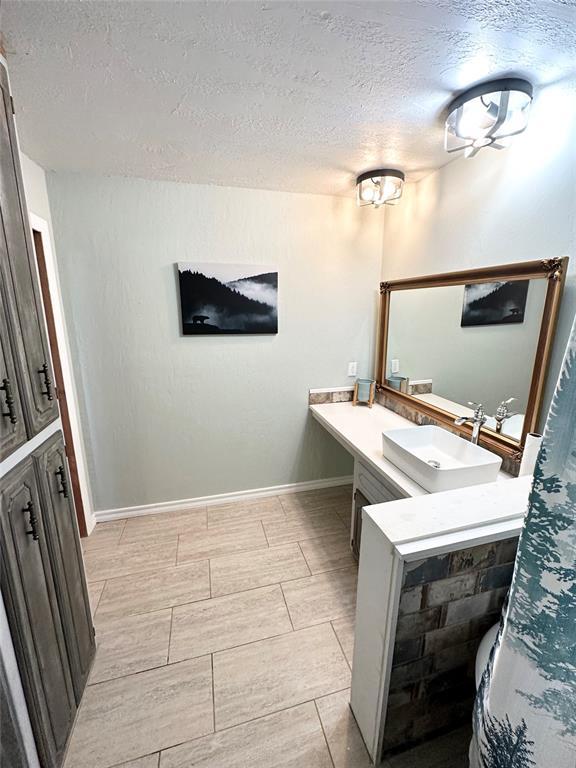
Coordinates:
<point>525,712</point>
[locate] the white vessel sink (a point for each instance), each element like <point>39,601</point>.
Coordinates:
<point>439,460</point>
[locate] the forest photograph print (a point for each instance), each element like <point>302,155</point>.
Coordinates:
<point>496,303</point>
<point>228,298</point>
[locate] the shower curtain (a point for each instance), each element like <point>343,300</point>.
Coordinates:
<point>525,711</point>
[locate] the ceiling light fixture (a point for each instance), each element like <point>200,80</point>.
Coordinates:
<point>488,115</point>
<point>379,187</point>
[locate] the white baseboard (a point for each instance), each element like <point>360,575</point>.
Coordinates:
<point>105,515</point>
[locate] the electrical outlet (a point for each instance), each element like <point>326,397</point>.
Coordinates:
<point>395,365</point>
<point>352,369</point>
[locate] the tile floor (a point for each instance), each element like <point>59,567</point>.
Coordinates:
<point>225,639</point>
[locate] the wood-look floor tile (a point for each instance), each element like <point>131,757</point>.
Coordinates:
<point>345,512</point>
<point>220,541</point>
<point>95,590</point>
<point>154,590</point>
<point>289,739</point>
<point>344,629</point>
<point>321,598</point>
<point>295,504</point>
<point>267,509</point>
<point>131,644</point>
<point>313,526</point>
<point>124,559</point>
<point>104,535</point>
<point>328,553</point>
<point>133,716</point>
<point>150,761</point>
<point>343,736</point>
<point>163,526</point>
<point>263,677</point>
<point>248,570</point>
<point>226,622</point>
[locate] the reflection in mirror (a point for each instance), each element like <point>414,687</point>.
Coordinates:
<point>452,345</point>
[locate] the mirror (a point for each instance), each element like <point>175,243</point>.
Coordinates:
<point>480,336</point>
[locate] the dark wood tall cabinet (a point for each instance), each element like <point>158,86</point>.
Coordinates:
<point>27,380</point>
<point>66,557</point>
<point>41,568</point>
<point>29,592</point>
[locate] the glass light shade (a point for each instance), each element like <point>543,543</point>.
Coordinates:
<point>379,187</point>
<point>487,116</point>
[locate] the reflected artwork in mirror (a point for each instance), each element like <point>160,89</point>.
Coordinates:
<point>464,338</point>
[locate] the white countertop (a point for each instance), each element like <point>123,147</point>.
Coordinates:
<point>437,514</point>
<point>423,520</point>
<point>359,429</point>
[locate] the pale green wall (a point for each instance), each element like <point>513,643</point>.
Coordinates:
<point>167,417</point>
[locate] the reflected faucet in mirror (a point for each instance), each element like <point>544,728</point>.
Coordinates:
<point>503,413</point>
<point>477,420</point>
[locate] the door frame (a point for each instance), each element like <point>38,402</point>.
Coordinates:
<point>63,372</point>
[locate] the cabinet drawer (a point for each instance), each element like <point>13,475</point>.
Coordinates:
<point>372,486</point>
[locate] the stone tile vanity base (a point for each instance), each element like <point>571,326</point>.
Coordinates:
<point>447,603</point>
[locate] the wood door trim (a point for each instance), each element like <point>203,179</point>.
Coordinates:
<point>59,379</point>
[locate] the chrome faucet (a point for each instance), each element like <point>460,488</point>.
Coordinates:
<point>503,413</point>
<point>477,420</point>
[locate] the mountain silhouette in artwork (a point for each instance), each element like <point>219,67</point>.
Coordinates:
<point>210,306</point>
<point>495,303</point>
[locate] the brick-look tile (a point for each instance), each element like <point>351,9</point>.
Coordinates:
<point>407,650</point>
<point>410,600</point>
<point>401,696</point>
<point>317,398</point>
<point>454,634</point>
<point>468,608</point>
<point>415,624</point>
<point>473,558</point>
<point>448,590</point>
<point>506,550</point>
<point>409,673</point>
<point>423,571</point>
<point>456,656</point>
<point>496,577</point>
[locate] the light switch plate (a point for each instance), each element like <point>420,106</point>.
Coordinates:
<point>352,369</point>
<point>395,365</point>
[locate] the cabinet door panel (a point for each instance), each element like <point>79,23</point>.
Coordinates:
<point>12,428</point>
<point>29,594</point>
<point>66,555</point>
<point>17,263</point>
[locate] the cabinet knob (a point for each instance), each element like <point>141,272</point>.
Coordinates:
<point>10,414</point>
<point>63,481</point>
<point>48,392</point>
<point>33,520</point>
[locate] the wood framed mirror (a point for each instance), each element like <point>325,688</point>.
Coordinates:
<point>451,340</point>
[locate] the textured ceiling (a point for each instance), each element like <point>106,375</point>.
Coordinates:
<point>297,96</point>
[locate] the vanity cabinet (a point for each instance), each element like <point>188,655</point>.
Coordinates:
<point>44,589</point>
<point>23,330</point>
<point>369,488</point>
